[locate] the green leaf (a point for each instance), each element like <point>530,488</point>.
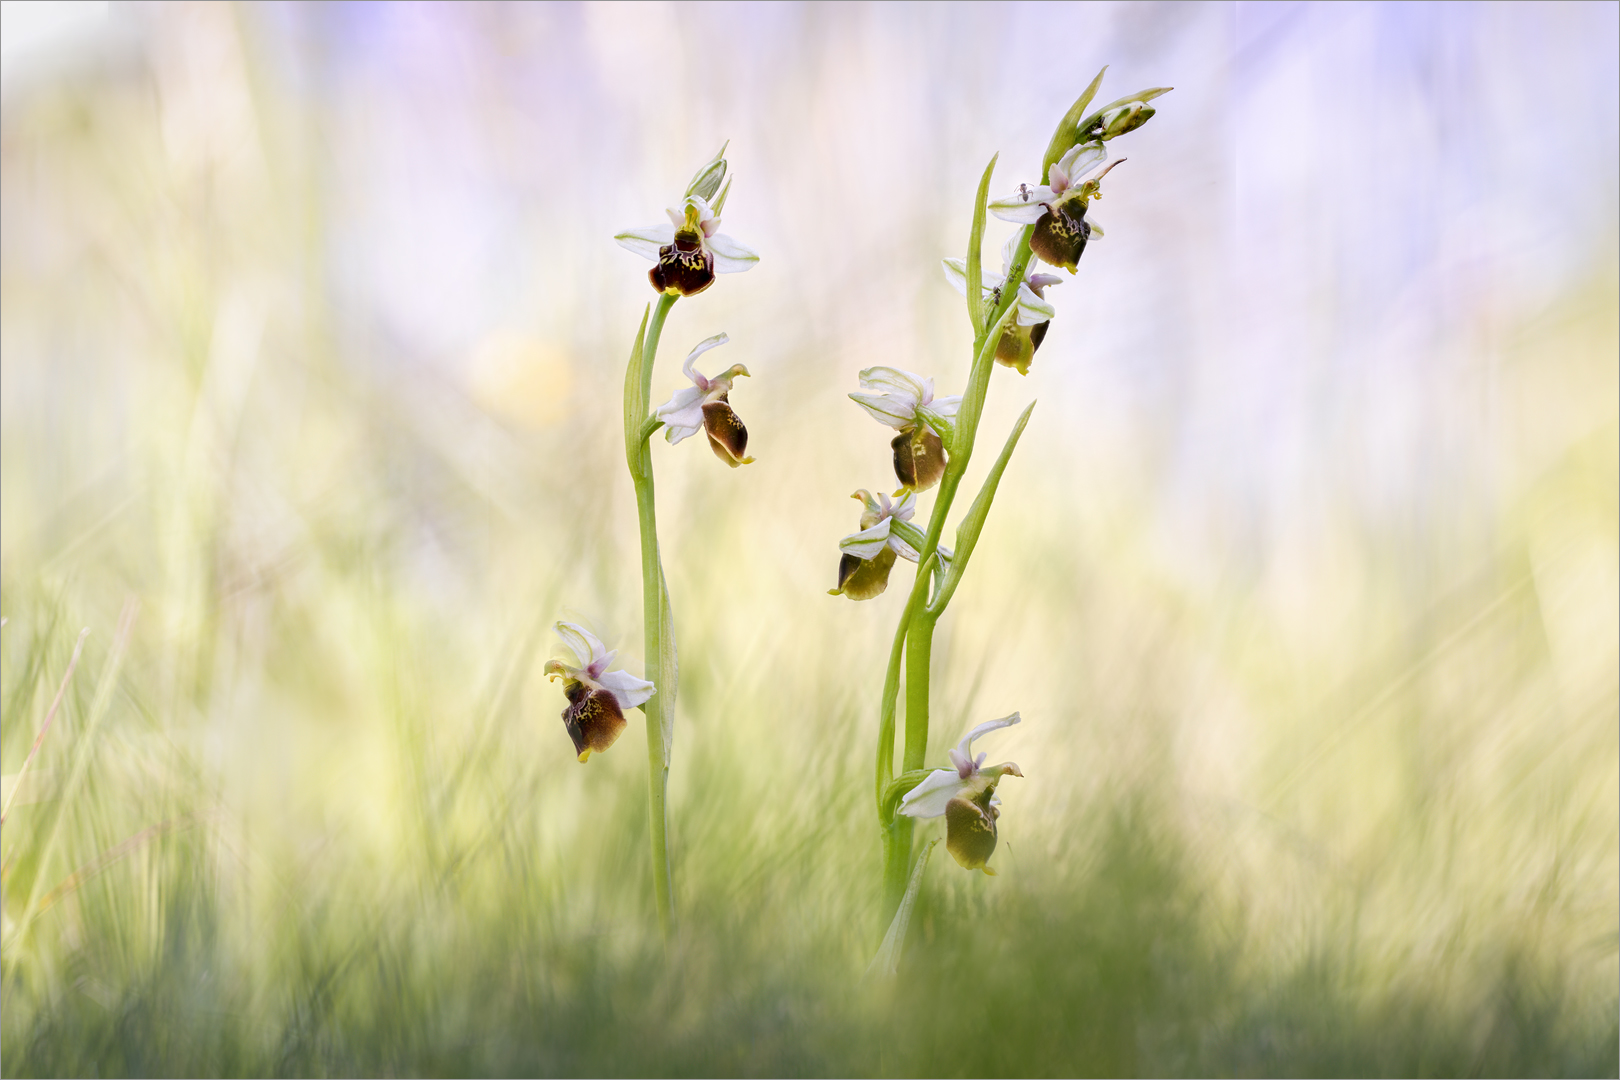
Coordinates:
<point>887,961</point>
<point>967,533</point>
<point>895,790</point>
<point>1068,129</point>
<point>975,265</point>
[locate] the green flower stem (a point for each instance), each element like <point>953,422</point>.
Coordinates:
<point>656,619</point>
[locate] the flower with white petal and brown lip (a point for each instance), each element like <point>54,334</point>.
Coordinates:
<point>1057,208</point>
<point>907,404</point>
<point>690,250</point>
<point>597,697</point>
<point>886,531</point>
<point>965,796</point>
<point>706,404</point>
<point>1019,341</point>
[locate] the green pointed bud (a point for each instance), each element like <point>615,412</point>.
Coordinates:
<point>706,181</point>
<point>1126,118</point>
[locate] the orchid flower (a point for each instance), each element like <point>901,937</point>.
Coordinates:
<point>965,795</point>
<point>1057,208</point>
<point>706,404</point>
<point>689,250</point>
<point>886,531</point>
<point>908,405</point>
<point>1018,342</point>
<point>597,697</point>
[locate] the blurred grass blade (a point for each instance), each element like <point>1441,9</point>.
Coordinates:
<point>975,265</point>
<point>967,533</point>
<point>16,782</point>
<point>887,960</point>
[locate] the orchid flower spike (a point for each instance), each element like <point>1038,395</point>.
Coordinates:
<point>706,404</point>
<point>690,250</point>
<point>597,697</point>
<point>1057,208</point>
<point>886,531</point>
<point>1018,342</point>
<point>908,405</point>
<point>965,795</point>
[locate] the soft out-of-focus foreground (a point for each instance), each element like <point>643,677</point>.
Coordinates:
<point>1304,576</point>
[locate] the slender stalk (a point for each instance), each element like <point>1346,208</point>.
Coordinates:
<point>654,604</point>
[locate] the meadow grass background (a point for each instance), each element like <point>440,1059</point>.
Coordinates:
<point>1304,576</point>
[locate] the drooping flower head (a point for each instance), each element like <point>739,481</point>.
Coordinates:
<point>1057,208</point>
<point>1019,341</point>
<point>597,697</point>
<point>706,404</point>
<point>690,250</point>
<point>908,405</point>
<point>965,795</point>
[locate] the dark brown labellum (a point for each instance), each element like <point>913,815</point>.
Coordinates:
<point>862,579</point>
<point>728,438</point>
<point>683,266</point>
<point>919,458</point>
<point>1060,235</point>
<point>593,719</point>
<point>970,830</point>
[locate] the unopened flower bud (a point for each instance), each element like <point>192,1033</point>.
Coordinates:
<point>1125,118</point>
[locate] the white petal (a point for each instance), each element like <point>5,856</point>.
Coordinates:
<point>1082,159</point>
<point>945,407</point>
<point>929,798</point>
<point>892,380</point>
<point>1024,206</point>
<point>647,240</point>
<point>681,414</point>
<point>1031,308</point>
<point>730,257</point>
<point>700,348</point>
<point>903,549</point>
<point>956,274</point>
<point>868,542</point>
<point>895,411</point>
<point>966,745</point>
<point>675,218</point>
<point>1096,229</point>
<point>630,690</point>
<point>586,646</point>
<point>1008,250</point>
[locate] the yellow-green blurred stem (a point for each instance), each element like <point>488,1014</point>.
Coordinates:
<point>639,452</point>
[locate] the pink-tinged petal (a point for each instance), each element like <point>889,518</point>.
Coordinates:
<point>905,507</point>
<point>964,767</point>
<point>585,646</point>
<point>730,257</point>
<point>646,240</point>
<point>1046,281</point>
<point>1057,179</point>
<point>929,798</point>
<point>698,350</point>
<point>629,690</point>
<point>965,747</point>
<point>710,227</point>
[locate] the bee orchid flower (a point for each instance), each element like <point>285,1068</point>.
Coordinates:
<point>597,697</point>
<point>907,404</point>
<point>1057,208</point>
<point>1018,342</point>
<point>886,531</point>
<point>690,250</point>
<point>965,796</point>
<point>706,404</point>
